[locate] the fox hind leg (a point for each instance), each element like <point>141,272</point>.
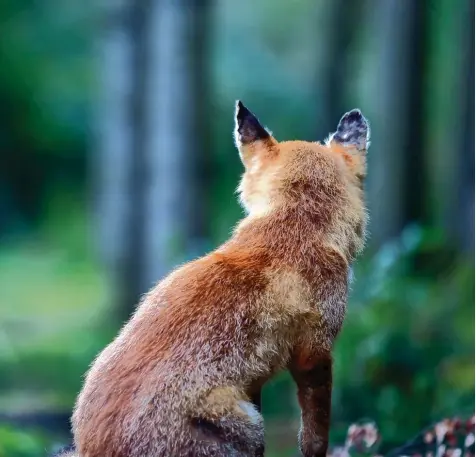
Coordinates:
<point>228,438</point>
<point>237,431</point>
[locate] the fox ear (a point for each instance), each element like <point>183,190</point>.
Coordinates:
<point>353,131</point>
<point>247,126</point>
<point>251,138</point>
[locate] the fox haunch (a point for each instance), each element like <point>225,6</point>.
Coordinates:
<point>183,378</point>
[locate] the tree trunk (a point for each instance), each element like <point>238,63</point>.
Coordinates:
<point>392,103</point>
<point>176,110</point>
<point>336,39</point>
<point>460,220</point>
<point>153,135</point>
<point>111,159</point>
<point>450,112</point>
<point>133,263</point>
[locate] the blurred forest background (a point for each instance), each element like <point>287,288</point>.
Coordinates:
<point>118,163</point>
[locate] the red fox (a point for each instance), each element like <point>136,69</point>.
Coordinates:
<point>184,376</point>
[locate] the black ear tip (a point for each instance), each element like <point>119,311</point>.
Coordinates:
<point>354,115</point>
<point>241,111</point>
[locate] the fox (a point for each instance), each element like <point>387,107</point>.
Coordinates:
<point>184,376</point>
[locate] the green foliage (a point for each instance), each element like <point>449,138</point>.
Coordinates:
<point>16,443</point>
<point>404,356</point>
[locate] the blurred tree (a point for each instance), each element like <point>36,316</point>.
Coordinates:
<point>176,115</point>
<point>451,110</point>
<point>466,194</point>
<point>113,160</point>
<point>153,148</point>
<point>393,71</point>
<point>336,41</point>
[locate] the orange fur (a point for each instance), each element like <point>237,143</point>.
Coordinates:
<point>183,375</point>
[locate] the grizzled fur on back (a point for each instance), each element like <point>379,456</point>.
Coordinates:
<point>184,375</point>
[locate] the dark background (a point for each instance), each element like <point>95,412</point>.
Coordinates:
<point>118,163</point>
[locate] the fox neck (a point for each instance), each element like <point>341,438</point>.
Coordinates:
<point>291,230</point>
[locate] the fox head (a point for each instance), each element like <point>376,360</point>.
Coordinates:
<point>321,181</point>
